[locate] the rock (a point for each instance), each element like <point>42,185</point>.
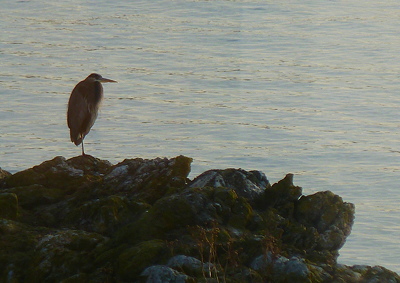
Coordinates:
<point>189,265</point>
<point>364,273</point>
<point>148,179</point>
<point>62,254</point>
<point>8,206</point>
<point>105,215</point>
<point>281,195</point>
<point>161,274</point>
<point>246,184</point>
<point>281,269</point>
<point>327,213</point>
<point>167,214</point>
<point>60,173</point>
<point>134,260</point>
<point>86,220</point>
<point>35,195</point>
<point>4,174</point>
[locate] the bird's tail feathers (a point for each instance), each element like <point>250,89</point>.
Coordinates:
<point>76,138</point>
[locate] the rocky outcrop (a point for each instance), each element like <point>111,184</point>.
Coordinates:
<point>86,220</point>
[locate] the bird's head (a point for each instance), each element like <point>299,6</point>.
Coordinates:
<point>98,78</point>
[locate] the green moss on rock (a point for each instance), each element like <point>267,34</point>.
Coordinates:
<point>36,195</point>
<point>8,206</point>
<point>58,173</point>
<point>105,215</point>
<point>78,278</point>
<point>133,261</point>
<point>169,213</point>
<point>63,254</point>
<point>4,174</point>
<point>242,213</point>
<point>84,220</point>
<point>17,247</point>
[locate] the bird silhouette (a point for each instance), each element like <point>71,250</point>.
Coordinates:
<point>83,106</point>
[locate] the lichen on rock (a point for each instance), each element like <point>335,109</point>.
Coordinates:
<point>142,220</point>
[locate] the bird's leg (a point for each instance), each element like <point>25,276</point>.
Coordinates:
<point>83,151</point>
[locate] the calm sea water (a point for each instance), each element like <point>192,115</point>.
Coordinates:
<point>306,87</point>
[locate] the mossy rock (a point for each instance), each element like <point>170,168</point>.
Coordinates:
<point>332,218</point>
<point>105,215</point>
<point>225,200</point>
<point>77,278</point>
<point>59,173</point>
<point>300,236</point>
<point>8,206</point>
<point>148,180</point>
<point>62,255</point>
<point>230,208</point>
<point>90,165</point>
<point>22,178</point>
<point>242,213</point>
<point>323,209</point>
<point>224,195</point>
<point>248,184</point>
<point>135,259</point>
<point>4,174</point>
<point>167,214</point>
<point>162,273</point>
<point>279,195</point>
<point>268,221</point>
<point>17,246</point>
<point>84,220</point>
<point>18,236</point>
<point>37,195</point>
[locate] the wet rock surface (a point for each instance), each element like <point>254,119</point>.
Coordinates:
<point>86,220</point>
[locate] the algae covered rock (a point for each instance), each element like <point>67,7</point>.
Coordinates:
<point>4,174</point>
<point>189,265</point>
<point>105,215</point>
<point>246,184</point>
<point>62,254</point>
<point>60,173</point>
<point>161,273</point>
<point>8,206</point>
<point>134,260</point>
<point>148,179</point>
<point>281,195</point>
<point>281,269</point>
<point>142,220</point>
<point>36,195</point>
<point>332,218</point>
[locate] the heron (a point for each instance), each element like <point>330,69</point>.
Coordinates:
<point>83,106</point>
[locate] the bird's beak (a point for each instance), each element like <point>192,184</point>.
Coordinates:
<point>104,80</point>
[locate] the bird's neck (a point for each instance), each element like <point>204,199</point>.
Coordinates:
<point>98,93</point>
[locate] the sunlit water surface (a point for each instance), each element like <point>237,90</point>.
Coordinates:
<point>306,87</point>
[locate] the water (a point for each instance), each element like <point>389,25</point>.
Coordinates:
<point>305,87</point>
